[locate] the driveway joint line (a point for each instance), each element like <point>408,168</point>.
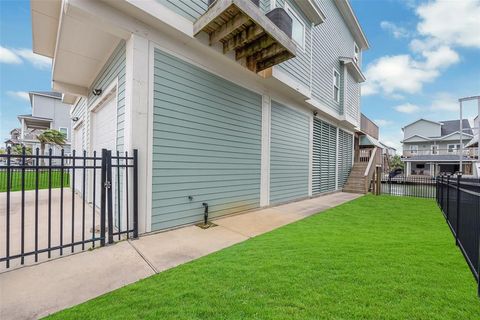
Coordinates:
<point>155,271</point>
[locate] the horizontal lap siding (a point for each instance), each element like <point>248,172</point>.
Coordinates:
<point>289,154</point>
<point>324,157</point>
<point>331,39</point>
<point>352,101</point>
<point>299,67</point>
<point>345,149</point>
<point>206,144</point>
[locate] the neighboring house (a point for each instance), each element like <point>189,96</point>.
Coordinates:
<point>223,106</point>
<point>387,154</point>
<point>48,112</point>
<point>14,138</point>
<point>473,146</point>
<point>431,147</point>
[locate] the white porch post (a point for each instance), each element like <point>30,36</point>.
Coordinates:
<point>137,127</point>
<point>265,158</point>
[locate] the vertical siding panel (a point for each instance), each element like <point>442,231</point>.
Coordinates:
<point>289,155</point>
<point>344,157</point>
<point>206,144</point>
<point>324,156</point>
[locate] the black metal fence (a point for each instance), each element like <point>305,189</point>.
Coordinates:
<point>411,186</point>
<point>59,203</point>
<point>459,199</point>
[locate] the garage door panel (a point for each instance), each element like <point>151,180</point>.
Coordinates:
<point>289,154</point>
<point>206,144</point>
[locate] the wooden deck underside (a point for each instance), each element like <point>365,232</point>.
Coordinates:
<point>239,25</point>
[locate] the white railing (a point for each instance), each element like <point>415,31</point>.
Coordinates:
<point>468,152</point>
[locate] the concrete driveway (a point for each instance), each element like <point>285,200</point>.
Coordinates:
<point>35,291</point>
<point>43,213</point>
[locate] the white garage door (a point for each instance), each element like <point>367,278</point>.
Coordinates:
<point>103,134</point>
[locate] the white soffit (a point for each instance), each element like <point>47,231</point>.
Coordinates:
<point>45,17</point>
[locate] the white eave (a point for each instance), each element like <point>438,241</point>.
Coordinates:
<point>352,23</point>
<point>312,11</point>
<point>353,69</point>
<point>45,17</point>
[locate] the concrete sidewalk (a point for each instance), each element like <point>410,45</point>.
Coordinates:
<point>38,290</point>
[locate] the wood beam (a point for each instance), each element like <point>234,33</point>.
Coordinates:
<point>254,47</point>
<point>273,61</point>
<point>246,36</point>
<point>229,27</point>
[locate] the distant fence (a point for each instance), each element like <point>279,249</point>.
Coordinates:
<point>411,186</point>
<point>459,200</point>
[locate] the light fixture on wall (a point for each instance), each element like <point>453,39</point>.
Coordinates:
<point>315,113</point>
<point>75,119</point>
<point>97,92</point>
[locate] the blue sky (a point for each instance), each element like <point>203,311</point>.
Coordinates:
<point>424,55</point>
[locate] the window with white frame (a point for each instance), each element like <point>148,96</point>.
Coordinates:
<point>356,53</point>
<point>434,149</point>
<point>64,131</point>
<point>336,85</point>
<point>298,27</point>
<point>413,149</point>
<point>453,147</point>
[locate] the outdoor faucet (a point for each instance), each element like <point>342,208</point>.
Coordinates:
<point>205,213</point>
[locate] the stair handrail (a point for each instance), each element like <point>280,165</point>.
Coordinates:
<point>370,170</point>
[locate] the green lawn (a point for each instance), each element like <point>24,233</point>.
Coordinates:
<point>30,176</point>
<point>373,258</point>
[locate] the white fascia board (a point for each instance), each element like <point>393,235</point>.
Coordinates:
<point>416,135</point>
<point>69,88</point>
<point>353,69</point>
<point>292,83</point>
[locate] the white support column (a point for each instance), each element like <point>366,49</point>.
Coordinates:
<point>22,134</point>
<point>137,126</point>
<point>265,158</point>
<point>310,156</point>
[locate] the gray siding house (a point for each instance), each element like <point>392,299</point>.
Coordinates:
<point>223,106</point>
<point>48,112</point>
<point>431,147</point>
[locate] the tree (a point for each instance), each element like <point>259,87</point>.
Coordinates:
<point>396,162</point>
<point>18,149</point>
<point>51,137</point>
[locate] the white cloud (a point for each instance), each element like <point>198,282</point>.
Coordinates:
<point>407,108</point>
<point>38,61</point>
<point>382,122</point>
<point>454,23</point>
<point>18,56</point>
<point>400,73</point>
<point>444,101</point>
<point>23,95</point>
<point>443,26</point>
<point>8,56</point>
<point>396,31</point>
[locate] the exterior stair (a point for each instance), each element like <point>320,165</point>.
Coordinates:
<point>356,179</point>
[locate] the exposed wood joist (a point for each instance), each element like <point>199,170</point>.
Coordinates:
<point>241,26</point>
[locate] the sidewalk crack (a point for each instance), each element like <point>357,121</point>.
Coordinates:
<point>143,257</point>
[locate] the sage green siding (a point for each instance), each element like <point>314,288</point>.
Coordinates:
<point>324,156</point>
<point>206,144</point>
<point>345,149</point>
<point>289,154</point>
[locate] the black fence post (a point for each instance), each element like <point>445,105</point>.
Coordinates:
<point>135,193</point>
<point>102,197</point>
<point>448,197</point>
<point>108,188</point>
<point>7,233</point>
<point>457,230</point>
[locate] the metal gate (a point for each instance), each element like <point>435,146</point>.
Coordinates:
<point>43,214</point>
